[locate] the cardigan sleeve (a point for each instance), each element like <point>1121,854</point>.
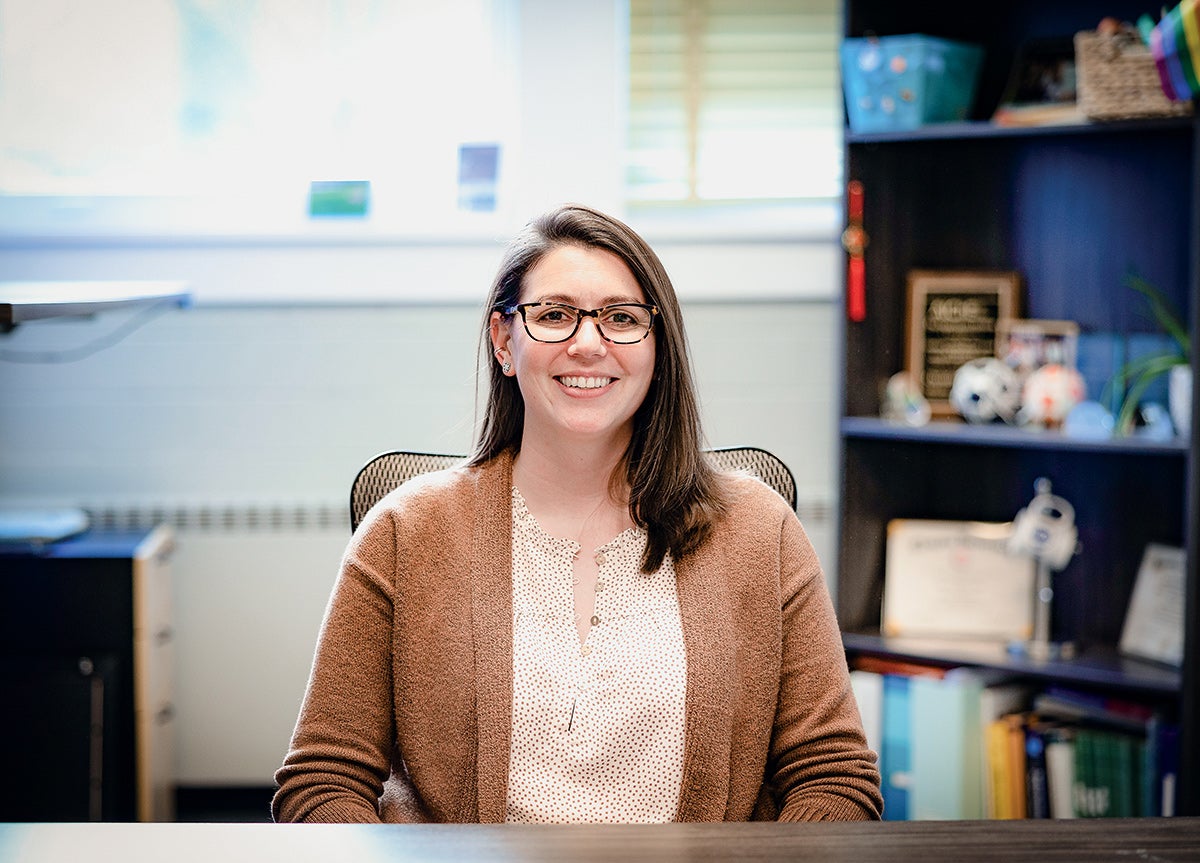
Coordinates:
<point>822,768</point>
<point>340,753</point>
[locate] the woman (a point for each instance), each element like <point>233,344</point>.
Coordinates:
<point>586,622</point>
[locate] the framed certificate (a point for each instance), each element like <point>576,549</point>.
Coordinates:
<point>953,316</point>
<point>956,579</point>
<point>1153,626</point>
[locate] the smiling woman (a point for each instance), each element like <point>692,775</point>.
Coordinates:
<point>587,621</point>
<point>581,379</point>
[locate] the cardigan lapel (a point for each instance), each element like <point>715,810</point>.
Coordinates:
<point>708,638</point>
<point>491,615</point>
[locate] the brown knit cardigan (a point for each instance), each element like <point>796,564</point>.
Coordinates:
<point>407,716</point>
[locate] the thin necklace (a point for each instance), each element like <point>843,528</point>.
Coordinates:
<point>583,526</point>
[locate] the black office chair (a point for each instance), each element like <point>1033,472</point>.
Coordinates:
<point>390,469</point>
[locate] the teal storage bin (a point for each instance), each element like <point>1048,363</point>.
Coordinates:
<point>903,82</point>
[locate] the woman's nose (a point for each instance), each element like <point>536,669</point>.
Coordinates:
<point>587,337</point>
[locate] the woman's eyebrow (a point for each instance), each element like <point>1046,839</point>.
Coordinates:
<point>572,301</point>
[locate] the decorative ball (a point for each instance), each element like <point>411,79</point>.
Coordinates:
<point>1050,393</point>
<point>1089,420</point>
<point>903,401</point>
<point>984,390</point>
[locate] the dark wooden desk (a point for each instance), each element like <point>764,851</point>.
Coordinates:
<point>1091,841</point>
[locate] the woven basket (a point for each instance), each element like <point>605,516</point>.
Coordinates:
<point>1116,79</point>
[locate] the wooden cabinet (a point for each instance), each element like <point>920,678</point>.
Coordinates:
<point>1073,209</point>
<point>86,646</point>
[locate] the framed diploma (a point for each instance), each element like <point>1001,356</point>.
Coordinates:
<point>956,579</point>
<point>954,316</point>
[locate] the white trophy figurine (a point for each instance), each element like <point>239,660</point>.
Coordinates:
<point>1044,530</point>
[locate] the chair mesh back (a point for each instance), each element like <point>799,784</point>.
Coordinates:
<point>760,463</point>
<point>388,471</point>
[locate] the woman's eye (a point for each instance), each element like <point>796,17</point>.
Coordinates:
<point>555,316</point>
<point>621,318</point>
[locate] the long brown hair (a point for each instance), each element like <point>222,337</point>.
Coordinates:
<point>674,491</point>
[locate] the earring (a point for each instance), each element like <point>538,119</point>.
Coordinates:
<point>506,367</point>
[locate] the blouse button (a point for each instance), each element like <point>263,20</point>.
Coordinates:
<point>600,558</point>
<point>585,650</point>
<point>599,586</point>
<point>595,620</point>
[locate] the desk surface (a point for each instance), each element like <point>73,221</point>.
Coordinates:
<point>1085,841</point>
<point>29,301</point>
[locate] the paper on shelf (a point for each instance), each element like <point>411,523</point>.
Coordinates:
<point>956,579</point>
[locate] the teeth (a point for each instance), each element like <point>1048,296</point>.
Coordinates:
<point>585,383</point>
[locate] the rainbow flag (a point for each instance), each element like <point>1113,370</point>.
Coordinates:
<point>1175,46</point>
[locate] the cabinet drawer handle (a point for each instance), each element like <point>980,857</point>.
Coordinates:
<point>165,714</point>
<point>163,636</point>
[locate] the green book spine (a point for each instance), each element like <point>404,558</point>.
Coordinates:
<point>1123,776</point>
<point>1091,795</point>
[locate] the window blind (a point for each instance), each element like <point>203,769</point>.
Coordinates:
<point>733,100</point>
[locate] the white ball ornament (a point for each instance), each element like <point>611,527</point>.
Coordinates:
<point>984,390</point>
<point>1050,393</point>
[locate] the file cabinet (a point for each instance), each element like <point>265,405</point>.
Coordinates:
<point>86,644</point>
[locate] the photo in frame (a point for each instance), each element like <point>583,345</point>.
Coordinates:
<point>953,317</point>
<point>1027,344</point>
<point>1041,88</point>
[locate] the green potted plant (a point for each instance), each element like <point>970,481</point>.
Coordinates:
<point>1136,375</point>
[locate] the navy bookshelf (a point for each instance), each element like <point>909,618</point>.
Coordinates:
<point>1073,209</point>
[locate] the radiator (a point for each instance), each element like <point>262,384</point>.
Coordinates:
<point>273,517</point>
<point>213,517</point>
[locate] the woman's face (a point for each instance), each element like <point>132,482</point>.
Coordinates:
<point>585,388</point>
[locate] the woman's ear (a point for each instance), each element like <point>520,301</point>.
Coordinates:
<point>498,330</point>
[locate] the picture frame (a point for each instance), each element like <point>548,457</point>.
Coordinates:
<point>1041,87</point>
<point>1154,625</point>
<point>953,317</point>
<point>955,579</point>
<point>1027,344</point>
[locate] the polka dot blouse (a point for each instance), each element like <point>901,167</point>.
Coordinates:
<point>598,726</point>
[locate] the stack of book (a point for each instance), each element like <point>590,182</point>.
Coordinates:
<point>964,743</point>
<point>1075,755</point>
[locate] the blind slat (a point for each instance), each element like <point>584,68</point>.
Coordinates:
<point>733,99</point>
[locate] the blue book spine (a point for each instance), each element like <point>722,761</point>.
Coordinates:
<point>1168,766</point>
<point>896,757</point>
<point>1037,789</point>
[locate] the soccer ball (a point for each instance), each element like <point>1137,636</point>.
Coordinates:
<point>984,390</point>
<point>1050,393</point>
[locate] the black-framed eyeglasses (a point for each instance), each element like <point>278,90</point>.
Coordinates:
<point>620,323</point>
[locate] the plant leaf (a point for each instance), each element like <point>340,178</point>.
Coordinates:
<point>1148,369</point>
<point>1164,314</point>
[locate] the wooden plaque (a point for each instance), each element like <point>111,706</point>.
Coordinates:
<point>953,316</point>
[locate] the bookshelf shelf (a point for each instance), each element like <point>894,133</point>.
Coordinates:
<point>986,129</point>
<point>1097,667</point>
<point>961,434</point>
<point>1073,209</point>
